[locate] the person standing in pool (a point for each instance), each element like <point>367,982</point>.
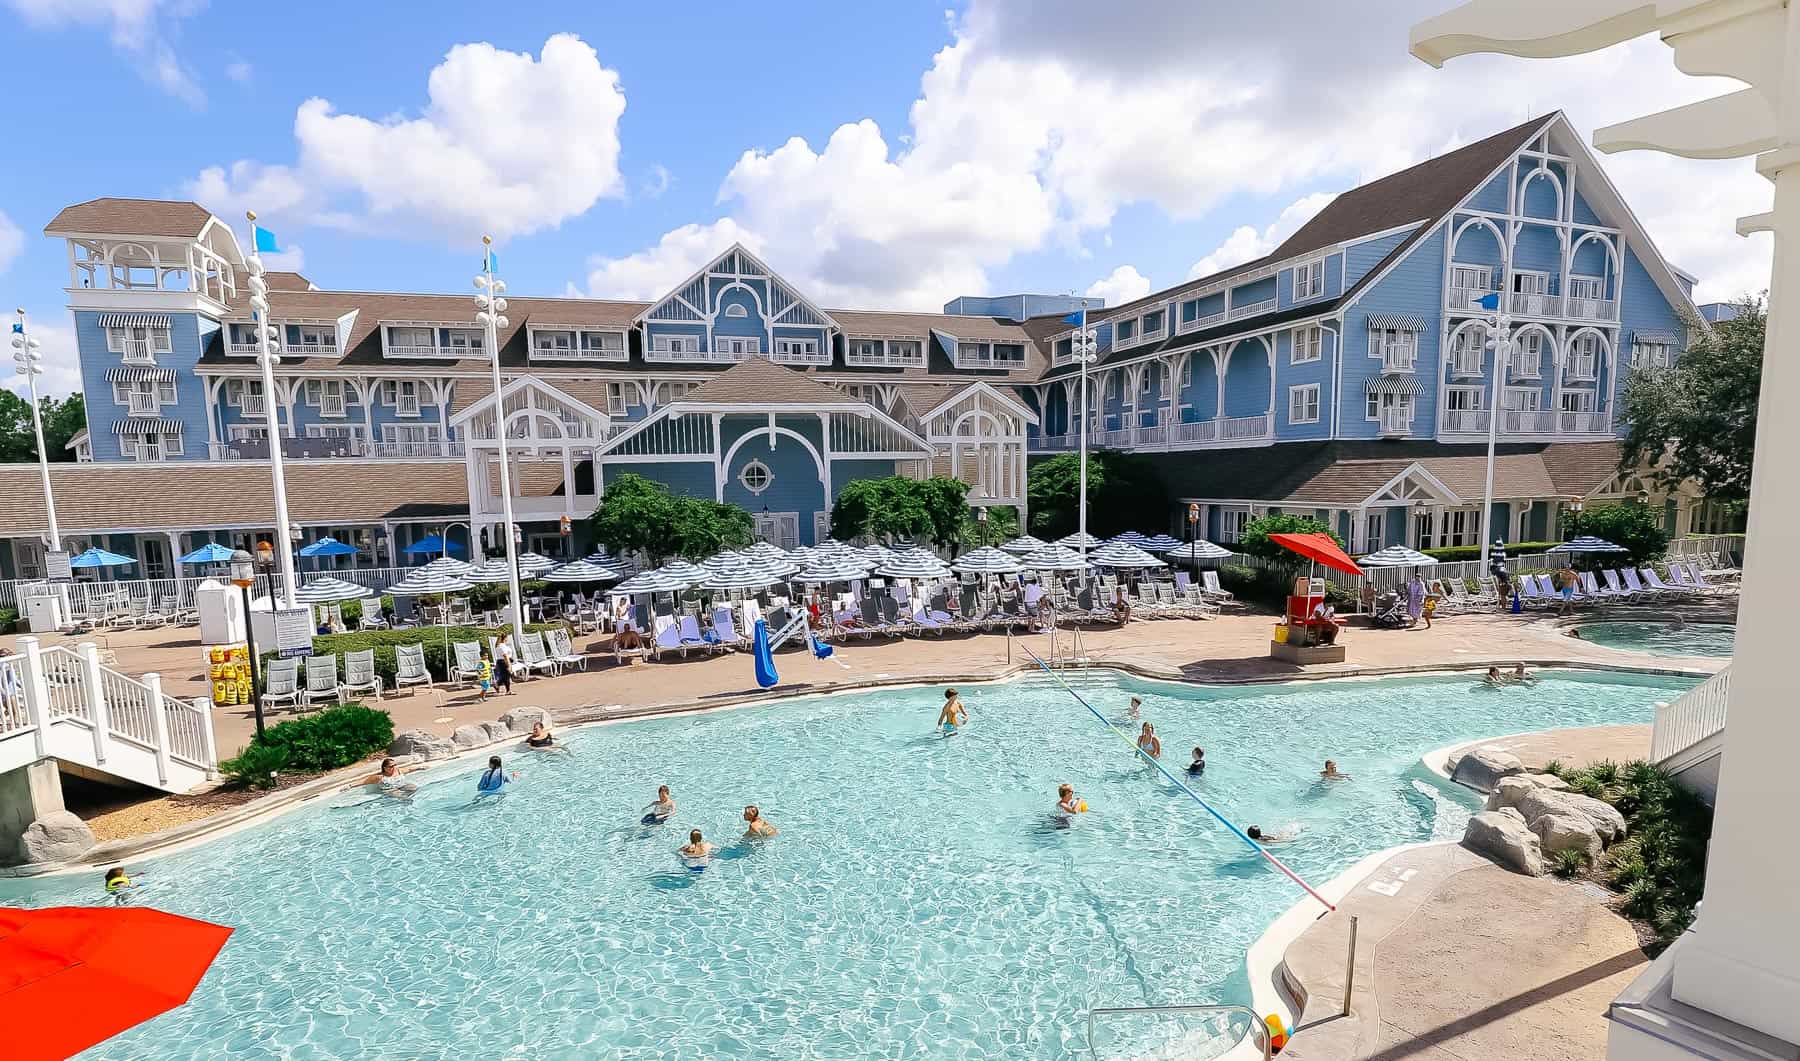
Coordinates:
<point>696,848</point>
<point>954,713</point>
<point>494,779</point>
<point>542,740</point>
<point>1148,743</point>
<point>662,810</point>
<point>1330,773</point>
<point>392,779</point>
<point>1521,675</point>
<point>757,826</point>
<point>1198,766</point>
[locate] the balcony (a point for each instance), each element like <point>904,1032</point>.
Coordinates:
<point>1591,309</point>
<point>914,359</point>
<point>578,353</point>
<point>440,350</point>
<point>1514,422</point>
<point>253,405</point>
<point>1396,421</point>
<point>701,357</point>
<point>407,405</point>
<point>245,349</point>
<point>1222,431</point>
<point>333,448</point>
<point>144,403</point>
<point>332,405</point>
<point>138,352</point>
<point>1265,306</point>
<point>1201,322</point>
<point>1464,298</point>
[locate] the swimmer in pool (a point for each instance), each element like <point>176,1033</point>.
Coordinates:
<point>542,740</point>
<point>1330,773</point>
<point>1136,706</point>
<point>662,810</point>
<point>391,779</point>
<point>494,779</point>
<point>118,884</point>
<point>1198,766</point>
<point>1147,742</point>
<point>1521,676</point>
<point>756,825</point>
<point>1493,677</point>
<point>696,847</point>
<point>1255,833</point>
<point>1066,803</point>
<point>954,713</point>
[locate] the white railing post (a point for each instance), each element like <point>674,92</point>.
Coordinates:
<point>159,725</point>
<point>204,706</point>
<point>96,691</point>
<point>37,695</point>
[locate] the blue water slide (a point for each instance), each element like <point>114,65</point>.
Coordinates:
<point>765,659</point>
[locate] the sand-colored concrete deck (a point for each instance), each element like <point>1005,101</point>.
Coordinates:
<point>1460,960</point>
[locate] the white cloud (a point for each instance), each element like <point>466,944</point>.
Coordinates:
<point>509,144</point>
<point>1025,136</point>
<point>651,273</point>
<point>12,241</point>
<point>139,30</point>
<point>62,365</point>
<point>1120,286</point>
<point>1246,243</point>
<point>240,71</point>
<point>656,182</point>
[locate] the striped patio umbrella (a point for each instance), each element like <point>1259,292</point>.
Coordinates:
<point>424,581</point>
<point>1130,537</point>
<point>843,568</point>
<point>765,551</point>
<point>447,566</point>
<point>682,571</point>
<point>1195,551</point>
<point>1119,554</point>
<point>328,590</point>
<point>740,573</point>
<point>912,563</point>
<point>534,564</point>
<point>1055,558</point>
<point>656,581</point>
<point>1077,540</point>
<point>1024,544</point>
<point>1158,543</point>
<point>987,561</point>
<point>581,571</point>
<point>1587,543</point>
<point>1395,556</point>
<point>605,559</point>
<point>485,572</point>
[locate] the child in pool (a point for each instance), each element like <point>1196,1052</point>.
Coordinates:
<point>954,713</point>
<point>662,810</point>
<point>118,883</point>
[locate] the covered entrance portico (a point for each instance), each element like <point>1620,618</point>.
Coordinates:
<point>551,441</point>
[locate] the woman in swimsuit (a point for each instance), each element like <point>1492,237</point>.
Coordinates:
<point>542,740</point>
<point>392,779</point>
<point>662,810</point>
<point>758,826</point>
<point>1330,773</point>
<point>1147,742</point>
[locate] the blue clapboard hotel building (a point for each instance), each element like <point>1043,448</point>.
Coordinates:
<point>1344,375</point>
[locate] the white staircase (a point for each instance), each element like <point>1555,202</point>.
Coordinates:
<point>1689,735</point>
<point>64,704</point>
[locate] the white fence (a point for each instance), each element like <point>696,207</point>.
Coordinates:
<point>63,703</point>
<point>1697,716</point>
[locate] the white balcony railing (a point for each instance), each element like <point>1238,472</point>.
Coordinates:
<point>432,350</point>
<point>1239,428</point>
<point>256,449</point>
<point>253,405</point>
<point>1697,716</point>
<point>138,352</point>
<point>914,359</point>
<point>1463,421</point>
<point>1464,297</point>
<point>1591,309</point>
<point>1163,436</point>
<point>1395,421</point>
<point>1197,431</point>
<point>144,403</point>
<point>1535,305</point>
<point>407,405</point>
<point>1554,422</point>
<point>1201,322</point>
<point>311,349</point>
<point>701,357</point>
<point>1252,309</point>
<point>331,405</point>
<point>245,349</point>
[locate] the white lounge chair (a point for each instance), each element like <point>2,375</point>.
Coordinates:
<point>1655,582</point>
<point>321,681</point>
<point>409,661</point>
<point>534,657</point>
<point>1210,587</point>
<point>281,685</point>
<point>360,675</point>
<point>667,639</point>
<point>562,649</point>
<point>466,666</point>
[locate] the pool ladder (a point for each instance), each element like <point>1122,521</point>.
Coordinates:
<point>1254,1028</point>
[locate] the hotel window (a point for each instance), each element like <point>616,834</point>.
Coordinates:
<point>315,338</point>
<point>1398,348</point>
<point>735,310</point>
<point>237,390</point>
<point>1472,278</point>
<point>1124,332</point>
<point>155,447</point>
<point>615,399</point>
<point>737,346</point>
<point>1577,401</point>
<point>1384,406</point>
<point>802,348</point>
<point>403,395</point>
<point>756,477</point>
<point>1303,404</point>
<point>424,436</point>
<point>1467,349</point>
<point>1462,399</point>
<point>1584,357</point>
<point>465,342</point>
<point>412,340</point>
<point>1522,399</point>
<point>326,395</point>
<point>1309,344</point>
<point>1187,371</point>
<point>1009,352</point>
<point>1153,323</point>
<point>1528,355</point>
<point>612,343</point>
<point>1144,382</point>
<point>675,344</point>
<point>1587,287</point>
<point>1645,353</point>
<point>1309,280</point>
<point>553,342</point>
<point>1063,351</point>
<point>138,342</point>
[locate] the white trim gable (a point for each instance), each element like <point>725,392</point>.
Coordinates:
<point>1013,404</point>
<point>688,303</point>
<point>535,383</point>
<point>1390,496</point>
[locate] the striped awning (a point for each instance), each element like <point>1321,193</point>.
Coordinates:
<point>1401,322</point>
<point>144,425</point>
<point>133,320</point>
<point>140,375</point>
<point>1396,385</point>
<point>1653,337</point>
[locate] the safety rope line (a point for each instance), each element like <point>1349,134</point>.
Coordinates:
<point>1178,783</point>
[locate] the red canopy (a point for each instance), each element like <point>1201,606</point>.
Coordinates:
<point>74,976</point>
<point>1319,548</point>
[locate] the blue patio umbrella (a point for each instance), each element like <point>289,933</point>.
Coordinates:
<point>97,557</point>
<point>210,553</point>
<point>329,547</point>
<point>433,544</point>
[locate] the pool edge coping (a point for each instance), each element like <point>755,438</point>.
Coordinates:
<point>216,826</point>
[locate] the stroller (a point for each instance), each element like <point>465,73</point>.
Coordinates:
<point>1390,612</point>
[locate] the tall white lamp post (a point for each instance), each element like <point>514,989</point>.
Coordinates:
<point>1739,961</point>
<point>490,313</point>
<point>1083,344</point>
<point>29,362</point>
<point>267,358</point>
<point>1499,340</point>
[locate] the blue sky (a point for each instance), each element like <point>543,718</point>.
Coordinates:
<point>890,154</point>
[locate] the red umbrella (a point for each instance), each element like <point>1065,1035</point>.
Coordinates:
<point>73,976</point>
<point>1319,548</point>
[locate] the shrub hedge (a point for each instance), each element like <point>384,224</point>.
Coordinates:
<point>335,737</point>
<point>433,638</point>
<point>1270,587</point>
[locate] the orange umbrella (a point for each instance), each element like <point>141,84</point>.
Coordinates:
<point>73,976</point>
<point>1319,548</point>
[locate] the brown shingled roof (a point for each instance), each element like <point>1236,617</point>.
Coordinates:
<point>112,496</point>
<point>280,280</point>
<point>131,217</point>
<point>760,381</point>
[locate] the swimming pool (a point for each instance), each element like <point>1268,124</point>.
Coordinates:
<point>916,902</point>
<point>1664,639</point>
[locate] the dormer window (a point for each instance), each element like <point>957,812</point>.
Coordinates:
<point>1309,280</point>
<point>989,355</point>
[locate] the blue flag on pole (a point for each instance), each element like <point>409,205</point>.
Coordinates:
<point>491,262</point>
<point>1073,318</point>
<point>265,241</point>
<point>1489,301</point>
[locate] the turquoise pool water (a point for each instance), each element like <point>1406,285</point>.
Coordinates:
<point>1663,639</point>
<point>917,903</point>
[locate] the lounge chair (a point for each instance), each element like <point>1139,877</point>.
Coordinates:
<point>466,666</point>
<point>169,605</point>
<point>281,685</point>
<point>371,619</point>
<point>145,617</point>
<point>1697,578</point>
<point>359,674</point>
<point>1655,582</point>
<point>1528,592</point>
<point>534,657</point>
<point>1210,581</point>
<point>725,625</point>
<point>667,639</point>
<point>321,681</point>
<point>690,633</point>
<point>409,661</point>
<point>1634,584</point>
<point>1590,587</point>
<point>1616,585</point>
<point>562,649</point>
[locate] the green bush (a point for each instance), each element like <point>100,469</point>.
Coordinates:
<point>337,736</point>
<point>1457,553</point>
<point>1270,587</point>
<point>1570,862</point>
<point>1255,539</point>
<point>255,767</point>
<point>8,617</point>
<point>1638,528</point>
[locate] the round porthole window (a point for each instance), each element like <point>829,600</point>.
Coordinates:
<point>756,477</point>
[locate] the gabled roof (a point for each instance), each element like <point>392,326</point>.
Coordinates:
<point>279,280</point>
<point>739,256</point>
<point>486,401</point>
<point>179,219</point>
<point>999,396</point>
<point>761,382</point>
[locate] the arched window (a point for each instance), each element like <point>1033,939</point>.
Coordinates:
<point>736,310</point>
<point>756,477</point>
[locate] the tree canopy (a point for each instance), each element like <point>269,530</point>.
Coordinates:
<point>1255,539</point>
<point>1125,492</point>
<point>1696,419</point>
<point>640,515</point>
<point>1638,528</point>
<point>63,418</point>
<point>934,510</point>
